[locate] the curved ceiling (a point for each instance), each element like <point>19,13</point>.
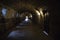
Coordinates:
<point>16,4</point>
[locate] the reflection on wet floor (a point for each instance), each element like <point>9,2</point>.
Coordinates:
<point>22,32</point>
<point>16,34</point>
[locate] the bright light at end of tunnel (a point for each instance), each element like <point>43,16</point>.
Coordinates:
<point>26,18</point>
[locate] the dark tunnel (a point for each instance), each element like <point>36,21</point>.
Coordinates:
<point>29,20</point>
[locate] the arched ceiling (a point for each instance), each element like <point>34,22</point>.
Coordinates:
<point>16,4</point>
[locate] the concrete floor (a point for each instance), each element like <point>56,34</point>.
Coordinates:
<point>25,31</point>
